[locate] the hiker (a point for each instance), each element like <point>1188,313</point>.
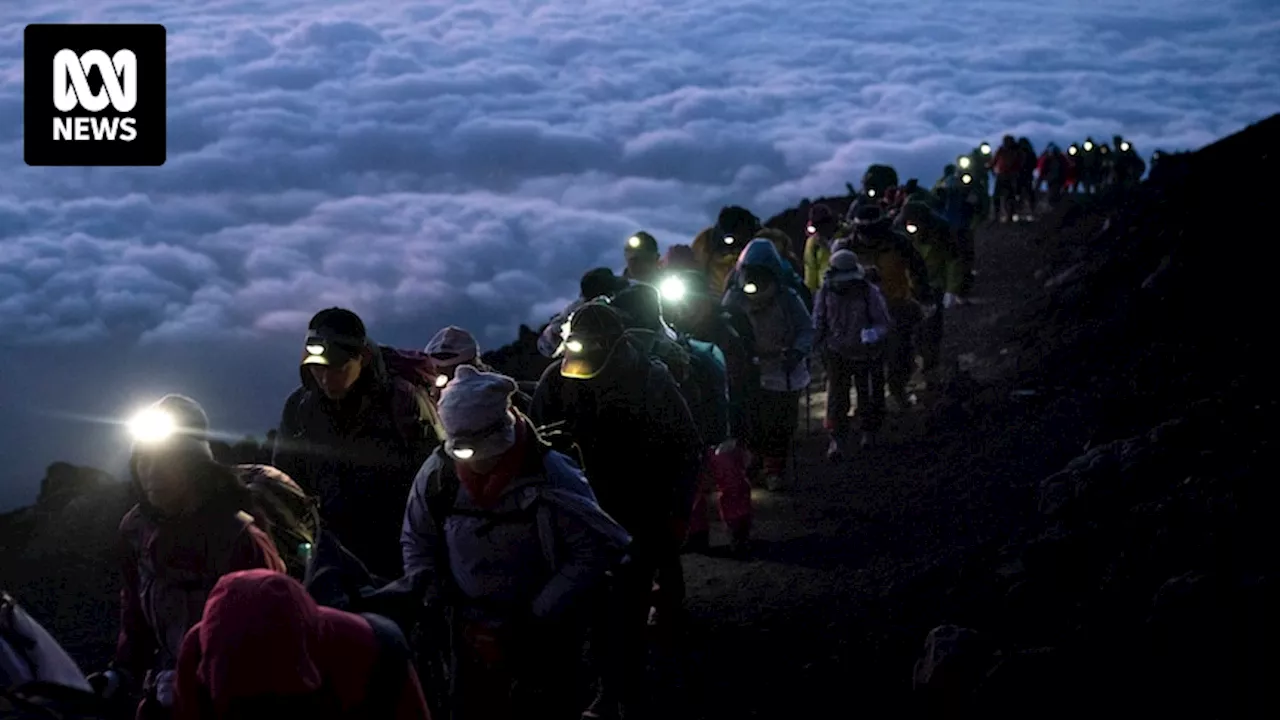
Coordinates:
<point>782,332</point>
<point>821,229</point>
<point>354,434</point>
<point>639,445</point>
<point>947,271</point>
<point>850,321</point>
<point>643,258</point>
<point>716,248</point>
<point>451,348</point>
<point>597,282</point>
<point>188,529</point>
<point>701,319</point>
<point>512,540</point>
<point>265,649</point>
<point>1007,166</point>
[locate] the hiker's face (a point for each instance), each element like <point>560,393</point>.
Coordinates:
<point>163,480</point>
<point>336,382</point>
<point>642,266</point>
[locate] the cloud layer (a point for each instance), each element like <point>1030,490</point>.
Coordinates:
<point>449,161</point>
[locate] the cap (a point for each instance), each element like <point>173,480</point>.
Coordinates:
<point>334,336</point>
<point>640,306</point>
<point>598,282</point>
<point>641,244</point>
<point>594,330</point>
<point>452,346</point>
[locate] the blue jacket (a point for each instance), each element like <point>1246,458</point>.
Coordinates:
<point>781,325</point>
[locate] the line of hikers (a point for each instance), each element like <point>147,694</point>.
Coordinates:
<point>435,539</point>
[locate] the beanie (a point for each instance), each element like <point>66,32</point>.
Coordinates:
<point>475,409</point>
<point>452,346</point>
<point>189,424</point>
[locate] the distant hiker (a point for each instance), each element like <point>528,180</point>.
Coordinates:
<point>1026,180</point>
<point>643,258</point>
<point>947,271</point>
<point>850,321</point>
<point>264,649</point>
<point>821,230</point>
<point>188,529</point>
<point>782,333</point>
<point>717,247</point>
<point>639,445</point>
<point>679,257</point>
<point>699,317</point>
<point>595,283</point>
<point>1007,165</point>
<point>453,347</point>
<point>354,434</point>
<point>510,537</point>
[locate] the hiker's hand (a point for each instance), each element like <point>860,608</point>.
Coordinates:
<point>105,684</point>
<point>166,687</point>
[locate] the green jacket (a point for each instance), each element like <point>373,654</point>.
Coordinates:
<point>817,255</point>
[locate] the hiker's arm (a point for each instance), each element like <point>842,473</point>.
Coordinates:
<point>919,271</point>
<point>418,533</point>
<point>546,408</point>
<point>135,644</point>
<point>802,322</point>
<point>254,549</point>
<point>878,310</point>
<point>284,457</point>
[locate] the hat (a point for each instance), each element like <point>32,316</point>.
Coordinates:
<point>641,244</point>
<point>599,282</point>
<point>475,410</point>
<point>174,424</point>
<point>680,257</point>
<point>593,332</point>
<point>334,336</point>
<point>452,346</point>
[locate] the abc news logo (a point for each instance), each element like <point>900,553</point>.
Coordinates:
<point>94,95</point>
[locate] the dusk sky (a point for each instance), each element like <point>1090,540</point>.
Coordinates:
<point>428,163</point>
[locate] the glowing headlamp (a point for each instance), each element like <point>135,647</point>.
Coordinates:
<point>985,149</point>
<point>871,193</point>
<point>633,241</point>
<point>1088,146</point>
<point>966,178</point>
<point>1124,147</point>
<point>811,229</point>
<point>964,162</point>
<point>463,453</point>
<point>912,228</point>
<point>672,289</point>
<point>315,349</point>
<point>728,239</point>
<point>151,426</point>
<point>750,288</point>
<point>574,346</point>
<point>442,380</point>
<point>1072,150</point>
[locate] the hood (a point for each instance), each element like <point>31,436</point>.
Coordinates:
<point>839,281</point>
<point>258,635</point>
<point>219,488</point>
<point>762,253</point>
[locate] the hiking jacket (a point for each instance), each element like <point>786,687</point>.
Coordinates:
<point>1007,161</point>
<point>169,566</point>
<point>780,326</point>
<point>817,255</point>
<point>714,259</point>
<point>358,456</point>
<point>728,337</point>
<point>554,545</point>
<point>845,305</point>
<point>640,446</point>
<point>901,270</point>
<point>934,241</point>
<point>262,635</point>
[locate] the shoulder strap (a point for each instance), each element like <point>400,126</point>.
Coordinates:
<point>390,668</point>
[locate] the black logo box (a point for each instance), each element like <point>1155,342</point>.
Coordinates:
<point>148,43</point>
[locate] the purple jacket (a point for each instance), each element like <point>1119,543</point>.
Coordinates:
<point>845,305</point>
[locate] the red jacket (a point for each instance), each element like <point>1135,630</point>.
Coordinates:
<point>1008,161</point>
<point>263,636</point>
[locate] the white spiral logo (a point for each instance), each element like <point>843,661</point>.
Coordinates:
<point>119,81</point>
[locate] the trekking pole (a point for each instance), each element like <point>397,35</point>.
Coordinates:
<point>808,407</point>
<point>791,443</point>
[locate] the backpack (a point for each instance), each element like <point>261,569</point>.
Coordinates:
<point>416,375</point>
<point>285,512</point>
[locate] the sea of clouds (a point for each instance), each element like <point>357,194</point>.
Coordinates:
<point>441,162</point>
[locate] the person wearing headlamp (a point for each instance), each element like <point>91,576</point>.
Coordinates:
<point>516,550</point>
<point>453,347</point>
<point>820,232</point>
<point>639,445</point>
<point>782,332</point>
<point>190,527</point>
<point>947,271</point>
<point>595,283</point>
<point>716,248</point>
<point>643,258</point>
<point>353,435</point>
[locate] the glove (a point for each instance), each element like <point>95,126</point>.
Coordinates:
<point>727,446</point>
<point>106,684</point>
<point>166,687</point>
<point>870,336</point>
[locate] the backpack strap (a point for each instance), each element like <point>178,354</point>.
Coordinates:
<point>390,668</point>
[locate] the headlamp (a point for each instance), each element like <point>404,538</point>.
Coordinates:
<point>912,228</point>
<point>728,239</point>
<point>985,148</point>
<point>1103,149</point>
<point>1072,150</point>
<point>966,178</point>
<point>672,289</point>
<point>1088,146</point>
<point>633,241</point>
<point>811,229</point>
<point>151,426</point>
<point>463,453</point>
<point>1124,147</point>
<point>964,162</point>
<point>750,288</point>
<point>315,349</point>
<point>871,193</point>
<point>573,346</point>
<point>442,380</point>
